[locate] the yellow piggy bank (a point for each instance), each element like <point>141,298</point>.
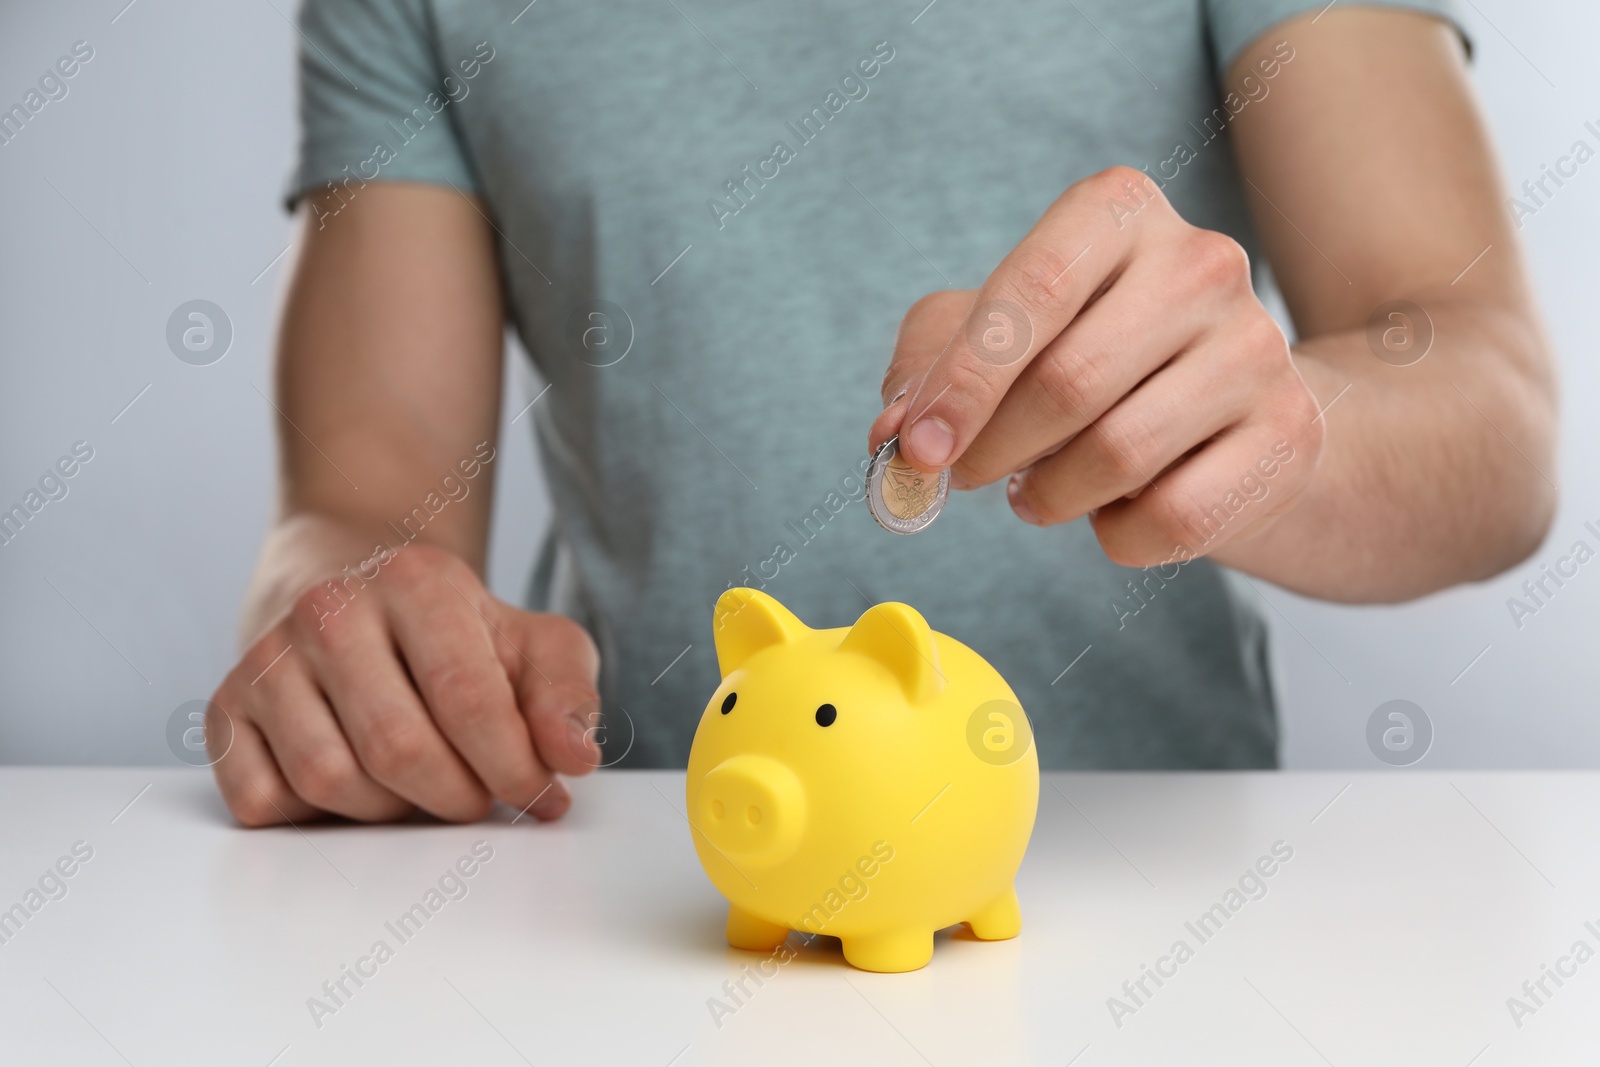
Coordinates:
<point>875,783</point>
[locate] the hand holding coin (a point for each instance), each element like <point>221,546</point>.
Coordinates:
<point>1118,367</point>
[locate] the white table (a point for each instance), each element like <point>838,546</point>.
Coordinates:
<point>1414,905</point>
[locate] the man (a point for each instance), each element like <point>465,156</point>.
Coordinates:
<point>706,222</point>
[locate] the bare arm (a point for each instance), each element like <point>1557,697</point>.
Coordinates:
<point>1435,472</point>
<point>379,675</point>
<point>388,374</point>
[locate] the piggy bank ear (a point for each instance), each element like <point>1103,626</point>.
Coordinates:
<point>898,637</point>
<point>746,621</point>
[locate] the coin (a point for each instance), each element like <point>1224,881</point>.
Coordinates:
<point>901,498</point>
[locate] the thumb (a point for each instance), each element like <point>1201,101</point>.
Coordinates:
<point>554,670</point>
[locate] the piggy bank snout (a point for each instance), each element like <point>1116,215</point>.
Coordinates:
<point>752,808</point>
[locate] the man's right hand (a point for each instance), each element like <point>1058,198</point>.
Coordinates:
<point>411,687</point>
<point>416,689</point>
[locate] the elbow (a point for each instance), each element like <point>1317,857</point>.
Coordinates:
<point>1505,499</point>
<point>1523,414</point>
<point>1521,502</point>
<point>1522,522</point>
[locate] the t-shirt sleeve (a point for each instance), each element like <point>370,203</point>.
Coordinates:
<point>1236,23</point>
<point>374,100</point>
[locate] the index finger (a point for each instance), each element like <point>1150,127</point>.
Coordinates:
<point>1033,294</point>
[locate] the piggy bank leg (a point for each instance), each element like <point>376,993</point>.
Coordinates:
<point>748,932</point>
<point>895,950</point>
<point>998,921</point>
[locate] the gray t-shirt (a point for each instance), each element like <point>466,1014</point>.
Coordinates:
<point>712,218</point>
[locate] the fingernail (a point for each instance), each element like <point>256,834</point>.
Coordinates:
<point>578,732</point>
<point>932,441</point>
<point>553,804</point>
<point>1018,505</point>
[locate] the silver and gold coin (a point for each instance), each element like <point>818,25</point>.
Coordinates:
<point>901,498</point>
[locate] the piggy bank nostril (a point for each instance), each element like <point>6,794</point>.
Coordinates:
<point>717,810</point>
<point>754,815</point>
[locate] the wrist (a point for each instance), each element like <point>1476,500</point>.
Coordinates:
<point>301,550</point>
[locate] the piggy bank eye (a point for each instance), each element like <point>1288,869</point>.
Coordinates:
<point>826,714</point>
<point>727,704</point>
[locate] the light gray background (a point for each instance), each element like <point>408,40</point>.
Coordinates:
<point>157,181</point>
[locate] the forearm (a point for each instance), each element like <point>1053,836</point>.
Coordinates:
<point>1431,474</point>
<point>387,392</point>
